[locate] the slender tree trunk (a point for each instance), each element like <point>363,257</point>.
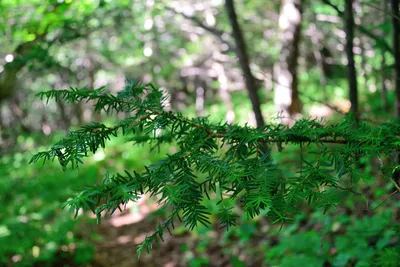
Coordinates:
<point>96,116</point>
<point>199,87</point>
<point>78,108</point>
<point>384,99</point>
<point>18,114</point>
<point>241,51</point>
<point>179,94</point>
<point>315,37</point>
<point>396,52</point>
<point>286,97</point>
<point>224,93</point>
<point>351,69</point>
<point>65,120</point>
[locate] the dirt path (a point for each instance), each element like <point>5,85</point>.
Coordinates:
<point>123,232</point>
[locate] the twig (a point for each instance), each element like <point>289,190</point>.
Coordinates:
<point>350,189</point>
<point>217,33</point>
<point>379,9</point>
<point>393,182</point>
<point>362,29</point>
<point>386,199</point>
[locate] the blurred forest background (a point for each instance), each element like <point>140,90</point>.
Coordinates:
<point>243,61</point>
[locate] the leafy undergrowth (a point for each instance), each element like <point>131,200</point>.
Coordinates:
<point>34,230</point>
<point>346,236</point>
<point>34,227</point>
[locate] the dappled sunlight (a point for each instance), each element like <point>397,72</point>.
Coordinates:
<point>320,112</point>
<point>199,133</point>
<point>123,239</point>
<point>136,213</point>
<point>170,264</point>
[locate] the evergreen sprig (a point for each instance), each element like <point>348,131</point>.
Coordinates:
<point>226,161</point>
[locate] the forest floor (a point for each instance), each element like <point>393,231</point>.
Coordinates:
<point>124,231</point>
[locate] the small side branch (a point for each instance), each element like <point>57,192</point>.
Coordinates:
<point>362,29</point>
<point>217,33</point>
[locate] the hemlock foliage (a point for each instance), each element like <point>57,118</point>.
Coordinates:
<point>227,161</point>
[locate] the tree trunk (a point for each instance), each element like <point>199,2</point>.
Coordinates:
<point>241,51</point>
<point>315,37</point>
<point>199,87</point>
<point>286,97</point>
<point>92,69</point>
<point>351,69</point>
<point>384,99</point>
<point>224,93</point>
<point>396,52</point>
<point>8,77</point>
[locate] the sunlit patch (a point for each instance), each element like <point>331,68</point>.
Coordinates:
<point>78,61</point>
<point>16,258</point>
<point>344,105</point>
<point>148,24</point>
<point>99,156</point>
<point>328,18</point>
<point>70,235</point>
<point>72,246</point>
<point>147,51</point>
<point>35,251</point>
<point>320,112</point>
<point>357,50</point>
<point>123,239</point>
<point>372,88</point>
<point>170,264</point>
<point>139,211</point>
<point>126,219</point>
<point>210,19</point>
<point>4,231</point>
<point>340,47</point>
<point>9,58</point>
<point>140,238</point>
<point>23,219</point>
<point>370,53</point>
<point>46,129</point>
<point>290,15</point>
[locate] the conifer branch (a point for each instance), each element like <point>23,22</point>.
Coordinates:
<point>226,157</point>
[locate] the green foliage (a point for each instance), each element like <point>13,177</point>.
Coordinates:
<point>34,230</point>
<point>226,161</point>
<point>355,242</point>
<point>33,227</point>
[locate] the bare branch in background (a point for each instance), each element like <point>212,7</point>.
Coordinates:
<point>216,32</point>
<point>362,29</point>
